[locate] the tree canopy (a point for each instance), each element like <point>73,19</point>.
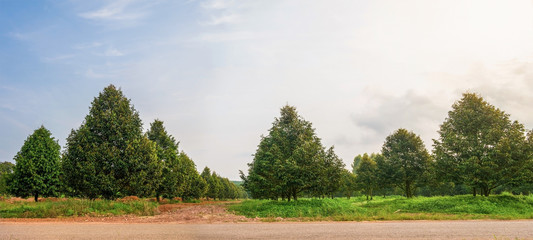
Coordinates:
<point>405,154</point>
<point>291,160</point>
<point>108,155</point>
<point>480,146</point>
<point>37,168</point>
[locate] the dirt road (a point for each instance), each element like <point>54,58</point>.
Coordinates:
<point>314,230</point>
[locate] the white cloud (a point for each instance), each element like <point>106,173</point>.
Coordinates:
<point>88,45</point>
<point>224,19</point>
<point>58,58</point>
<point>113,11</point>
<point>217,4</point>
<point>113,52</point>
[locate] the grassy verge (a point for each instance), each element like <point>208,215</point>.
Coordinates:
<point>392,208</point>
<point>75,207</point>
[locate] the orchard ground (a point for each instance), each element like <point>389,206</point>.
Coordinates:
<point>132,209</point>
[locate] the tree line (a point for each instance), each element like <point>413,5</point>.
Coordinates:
<point>110,157</point>
<point>479,150</point>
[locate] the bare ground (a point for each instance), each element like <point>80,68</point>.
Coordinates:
<point>204,212</point>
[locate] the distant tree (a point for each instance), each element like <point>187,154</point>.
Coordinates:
<point>356,161</point>
<point>214,187</point>
<point>193,185</point>
<point>6,171</point>
<point>288,161</point>
<point>37,168</point>
<point>348,183</point>
<point>480,147</point>
<point>367,178</point>
<point>167,151</point>
<point>384,170</point>
<point>108,156</point>
<point>330,175</point>
<point>404,152</point>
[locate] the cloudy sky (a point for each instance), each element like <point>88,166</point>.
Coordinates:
<point>218,71</point>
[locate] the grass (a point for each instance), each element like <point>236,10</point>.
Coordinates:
<point>505,206</point>
<point>75,207</point>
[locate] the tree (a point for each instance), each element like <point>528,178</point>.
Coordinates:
<point>367,178</point>
<point>287,161</point>
<point>356,161</point>
<point>480,147</point>
<point>108,155</point>
<point>6,170</point>
<point>37,168</point>
<point>348,183</point>
<point>330,174</point>
<point>405,153</point>
<point>167,152</point>
<point>214,186</point>
<point>193,185</point>
<point>384,170</point>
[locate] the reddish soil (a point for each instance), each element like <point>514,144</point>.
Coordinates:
<point>204,212</point>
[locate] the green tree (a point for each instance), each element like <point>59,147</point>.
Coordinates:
<point>193,185</point>
<point>480,147</point>
<point>37,168</point>
<point>384,170</point>
<point>172,179</point>
<point>288,161</point>
<point>329,173</point>
<point>356,161</point>
<point>367,178</point>
<point>108,155</point>
<point>348,183</point>
<point>214,187</point>
<point>6,171</point>
<point>404,152</point>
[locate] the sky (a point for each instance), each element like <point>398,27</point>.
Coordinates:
<point>217,72</point>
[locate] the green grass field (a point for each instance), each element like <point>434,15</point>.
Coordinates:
<point>504,206</point>
<point>75,207</point>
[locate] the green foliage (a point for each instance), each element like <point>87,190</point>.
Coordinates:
<point>167,153</point>
<point>504,206</point>
<point>76,208</point>
<point>406,159</point>
<point>108,155</point>
<point>6,171</point>
<point>367,178</point>
<point>348,184</point>
<point>356,162</point>
<point>479,146</point>
<point>37,168</point>
<point>192,185</point>
<point>291,160</point>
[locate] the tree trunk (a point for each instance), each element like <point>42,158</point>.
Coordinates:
<point>36,197</point>
<point>408,193</point>
<point>157,197</point>
<point>475,192</point>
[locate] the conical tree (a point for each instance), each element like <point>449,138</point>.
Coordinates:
<point>37,168</point>
<point>289,160</point>
<point>167,152</point>
<point>193,185</point>
<point>108,155</point>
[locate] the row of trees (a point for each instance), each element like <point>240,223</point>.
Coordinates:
<point>109,156</point>
<point>479,149</point>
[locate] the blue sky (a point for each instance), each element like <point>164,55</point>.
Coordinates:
<point>218,71</point>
